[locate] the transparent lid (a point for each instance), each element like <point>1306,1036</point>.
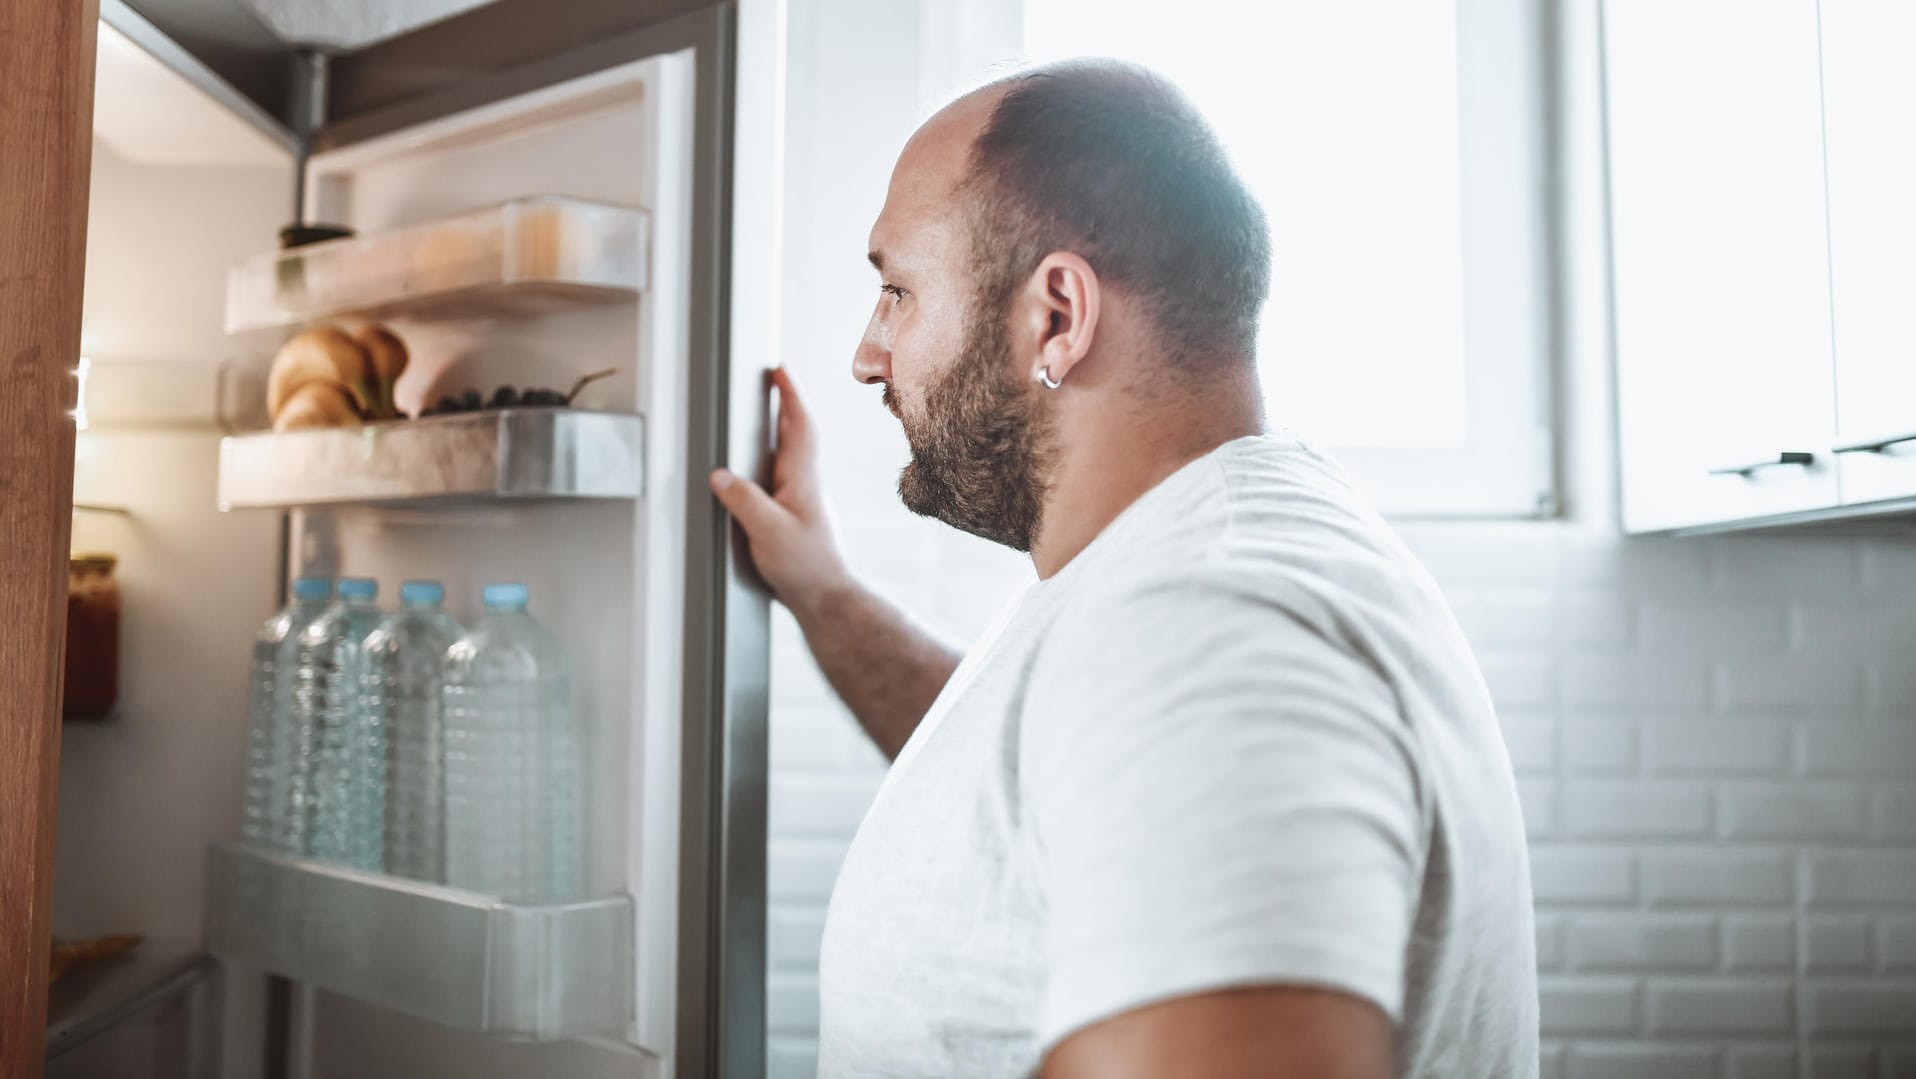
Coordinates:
<point>91,562</point>
<point>505,597</point>
<point>422,593</point>
<point>358,588</point>
<point>312,589</point>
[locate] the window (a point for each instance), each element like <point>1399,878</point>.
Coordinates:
<point>1396,146</point>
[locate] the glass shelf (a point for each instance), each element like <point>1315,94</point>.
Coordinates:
<point>509,453</point>
<point>529,256</point>
<point>99,998</point>
<point>454,957</point>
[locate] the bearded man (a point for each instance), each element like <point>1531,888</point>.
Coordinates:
<point>1222,793</point>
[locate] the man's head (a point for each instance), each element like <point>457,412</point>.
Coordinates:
<point>1079,211</point>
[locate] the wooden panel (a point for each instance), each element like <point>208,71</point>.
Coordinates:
<point>46,142</point>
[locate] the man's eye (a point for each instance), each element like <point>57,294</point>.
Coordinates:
<point>892,290</point>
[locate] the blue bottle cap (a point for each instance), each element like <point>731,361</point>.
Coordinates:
<point>312,589</point>
<point>505,595</point>
<point>358,588</point>
<point>421,593</point>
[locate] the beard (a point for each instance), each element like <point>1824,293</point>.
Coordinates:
<point>981,445</point>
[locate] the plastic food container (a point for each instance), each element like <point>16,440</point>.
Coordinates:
<point>93,637</point>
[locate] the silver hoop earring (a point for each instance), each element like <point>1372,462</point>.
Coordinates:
<point>1044,376</point>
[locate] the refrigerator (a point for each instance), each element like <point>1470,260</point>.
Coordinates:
<point>590,187</point>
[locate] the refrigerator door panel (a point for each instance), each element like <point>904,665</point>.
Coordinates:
<point>737,757</point>
<point>385,1044</point>
<point>587,565</point>
<point>629,587</point>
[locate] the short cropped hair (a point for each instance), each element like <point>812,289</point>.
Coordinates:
<point>1110,161</point>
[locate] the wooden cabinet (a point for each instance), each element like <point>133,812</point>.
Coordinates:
<point>1869,105</point>
<point>1762,159</point>
<point>1720,260</point>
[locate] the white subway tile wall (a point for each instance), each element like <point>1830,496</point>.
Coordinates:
<point>1716,746</point>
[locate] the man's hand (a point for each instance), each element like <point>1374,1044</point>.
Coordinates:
<point>790,530</point>
<point>887,670</point>
<point>1272,1032</point>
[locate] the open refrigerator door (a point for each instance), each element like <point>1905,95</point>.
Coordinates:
<point>517,231</point>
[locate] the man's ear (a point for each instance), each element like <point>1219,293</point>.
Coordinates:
<point>1060,314</point>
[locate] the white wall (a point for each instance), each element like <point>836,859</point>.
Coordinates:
<point>159,239</point>
<point>1715,738</point>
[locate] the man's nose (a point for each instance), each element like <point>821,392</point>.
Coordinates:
<point>871,364</point>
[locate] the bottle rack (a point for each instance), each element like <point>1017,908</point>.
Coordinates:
<point>460,958</point>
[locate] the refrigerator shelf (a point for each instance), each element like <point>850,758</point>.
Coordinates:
<point>114,995</point>
<point>451,956</point>
<point>509,453</point>
<point>525,257</point>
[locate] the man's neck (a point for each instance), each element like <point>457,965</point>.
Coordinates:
<point>1114,460</point>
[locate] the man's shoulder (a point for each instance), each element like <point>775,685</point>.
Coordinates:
<point>1182,608</point>
<point>1259,500</point>
<point>1265,524</point>
<point>1270,555</point>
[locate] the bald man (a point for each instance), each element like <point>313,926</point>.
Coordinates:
<point>1222,793</point>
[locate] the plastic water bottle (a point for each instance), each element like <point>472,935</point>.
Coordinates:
<point>263,812</point>
<point>403,661</point>
<point>512,758</point>
<point>335,765</point>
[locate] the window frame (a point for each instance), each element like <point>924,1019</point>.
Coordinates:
<point>1510,466</point>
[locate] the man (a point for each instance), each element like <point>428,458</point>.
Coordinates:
<point>1221,794</point>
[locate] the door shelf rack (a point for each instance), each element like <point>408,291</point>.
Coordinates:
<point>527,256</point>
<point>507,453</point>
<point>460,958</point>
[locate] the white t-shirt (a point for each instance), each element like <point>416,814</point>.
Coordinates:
<point>1238,740</point>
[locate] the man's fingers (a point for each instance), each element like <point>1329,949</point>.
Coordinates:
<point>745,500</point>
<point>794,422</point>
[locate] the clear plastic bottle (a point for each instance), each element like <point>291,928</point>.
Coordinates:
<point>403,662</point>
<point>512,758</point>
<point>263,814</point>
<point>335,766</point>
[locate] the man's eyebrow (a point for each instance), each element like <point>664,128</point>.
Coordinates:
<point>877,258</point>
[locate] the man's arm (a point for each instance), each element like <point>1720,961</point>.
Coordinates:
<point>1228,808</point>
<point>1264,1032</point>
<point>887,669</point>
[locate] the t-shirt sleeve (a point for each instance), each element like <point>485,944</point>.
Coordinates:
<point>1218,796</point>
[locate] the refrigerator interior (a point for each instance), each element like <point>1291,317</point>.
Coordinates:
<point>179,189</point>
<point>183,191</point>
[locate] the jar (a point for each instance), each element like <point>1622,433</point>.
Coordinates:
<point>93,637</point>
